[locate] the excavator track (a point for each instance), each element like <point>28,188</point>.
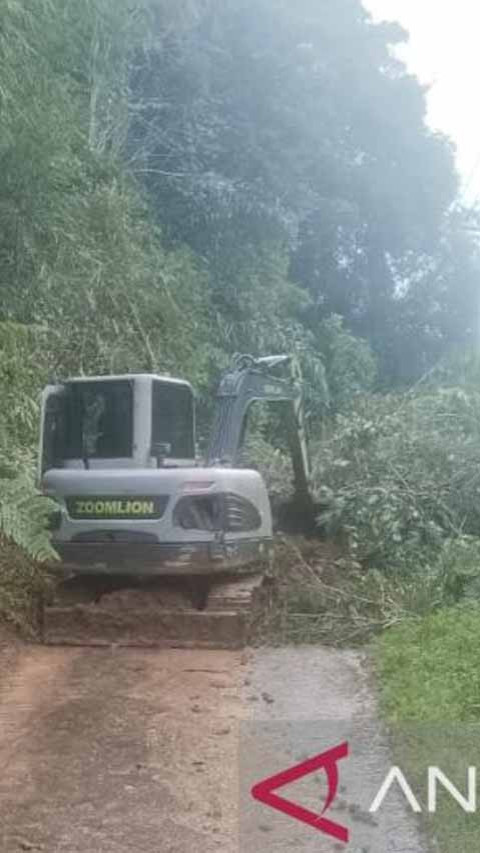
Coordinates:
<point>98,612</point>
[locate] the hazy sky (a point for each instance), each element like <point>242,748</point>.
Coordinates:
<point>444,51</point>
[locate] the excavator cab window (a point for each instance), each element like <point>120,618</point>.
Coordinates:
<point>173,421</point>
<point>99,420</point>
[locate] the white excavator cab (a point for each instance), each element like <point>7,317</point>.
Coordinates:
<point>134,421</point>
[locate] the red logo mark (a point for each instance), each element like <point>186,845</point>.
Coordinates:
<point>328,761</point>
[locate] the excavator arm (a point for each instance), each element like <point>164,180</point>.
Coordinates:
<point>251,380</point>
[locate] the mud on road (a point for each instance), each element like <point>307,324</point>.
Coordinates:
<point>109,751</point>
<point>119,751</point>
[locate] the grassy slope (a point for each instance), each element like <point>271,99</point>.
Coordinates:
<point>430,668</point>
<point>430,684</point>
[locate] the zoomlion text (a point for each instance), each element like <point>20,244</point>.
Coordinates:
<point>106,509</point>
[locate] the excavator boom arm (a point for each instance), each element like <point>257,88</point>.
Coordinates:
<point>250,380</point>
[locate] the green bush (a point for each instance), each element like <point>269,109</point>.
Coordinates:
<point>24,539</point>
<point>24,512</point>
<point>400,475</point>
<point>350,365</point>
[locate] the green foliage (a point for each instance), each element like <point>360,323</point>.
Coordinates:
<point>24,539</point>
<point>79,256</point>
<point>24,513</point>
<point>349,362</point>
<point>324,596</point>
<point>429,668</point>
<point>323,152</point>
<point>456,571</point>
<point>273,462</point>
<point>258,308</point>
<point>133,306</point>
<point>399,474</point>
<point>24,517</point>
<point>23,372</point>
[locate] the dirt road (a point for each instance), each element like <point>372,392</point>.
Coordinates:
<point>109,751</point>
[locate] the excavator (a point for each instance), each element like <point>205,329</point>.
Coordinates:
<point>158,547</point>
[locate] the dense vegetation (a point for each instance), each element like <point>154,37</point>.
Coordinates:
<point>183,181</point>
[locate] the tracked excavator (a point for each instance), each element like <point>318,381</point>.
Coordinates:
<point>157,547</point>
